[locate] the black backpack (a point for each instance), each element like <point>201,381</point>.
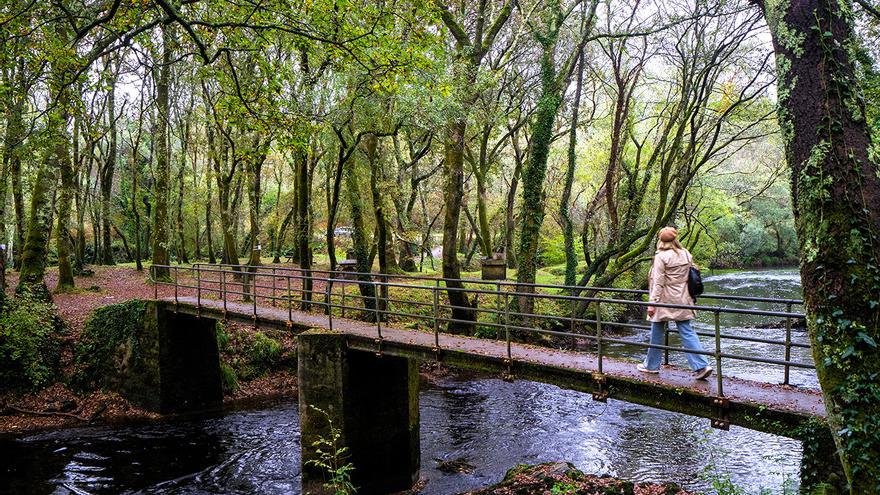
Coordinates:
<point>695,281</point>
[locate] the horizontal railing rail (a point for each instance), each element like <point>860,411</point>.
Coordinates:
<point>382,298</point>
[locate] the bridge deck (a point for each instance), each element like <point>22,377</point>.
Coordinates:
<point>761,406</point>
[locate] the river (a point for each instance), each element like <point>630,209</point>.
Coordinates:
<point>489,423</point>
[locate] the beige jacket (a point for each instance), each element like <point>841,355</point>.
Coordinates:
<point>667,283</point>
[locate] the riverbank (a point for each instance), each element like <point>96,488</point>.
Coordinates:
<point>562,478</point>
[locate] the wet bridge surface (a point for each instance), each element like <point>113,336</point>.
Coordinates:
<point>772,408</point>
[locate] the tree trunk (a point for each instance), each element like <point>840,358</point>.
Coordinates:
<point>107,172</point>
<point>571,261</point>
<point>836,199</point>
<point>509,223</point>
<point>212,259</point>
<point>453,166</point>
<point>65,197</point>
<point>160,211</point>
<point>303,188</point>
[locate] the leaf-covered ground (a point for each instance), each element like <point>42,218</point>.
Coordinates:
<point>58,406</point>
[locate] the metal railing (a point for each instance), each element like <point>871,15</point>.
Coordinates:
<point>502,308</point>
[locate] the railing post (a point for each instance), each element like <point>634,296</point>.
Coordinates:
<point>223,289</point>
<point>436,294</point>
<point>507,322</point>
<point>289,303</point>
<point>571,323</point>
<point>273,287</point>
<point>599,333</point>
<point>329,301</point>
<point>198,288</point>
<point>155,283</point>
<point>786,377</point>
<point>254,299</point>
<point>376,309</point>
<point>497,306</point>
<point>343,297</point>
<point>718,353</point>
<point>176,284</point>
<point>666,343</point>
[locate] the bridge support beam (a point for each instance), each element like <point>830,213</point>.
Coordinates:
<point>372,403</point>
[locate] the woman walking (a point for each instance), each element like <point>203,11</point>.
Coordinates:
<point>667,284</point>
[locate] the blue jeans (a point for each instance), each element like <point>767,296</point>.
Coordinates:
<point>689,340</point>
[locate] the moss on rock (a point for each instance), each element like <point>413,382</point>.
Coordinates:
<point>110,344</point>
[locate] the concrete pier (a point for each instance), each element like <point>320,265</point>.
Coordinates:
<point>373,404</point>
<point>176,367</point>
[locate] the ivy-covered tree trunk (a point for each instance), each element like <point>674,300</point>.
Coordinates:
<point>532,212</point>
<point>836,198</point>
<point>160,212</point>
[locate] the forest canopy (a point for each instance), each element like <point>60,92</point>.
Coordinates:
<point>383,121</point>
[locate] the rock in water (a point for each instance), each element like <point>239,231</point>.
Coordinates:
<point>562,478</point>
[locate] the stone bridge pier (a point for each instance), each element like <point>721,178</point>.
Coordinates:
<point>363,403</point>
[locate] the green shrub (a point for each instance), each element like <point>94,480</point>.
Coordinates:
<point>223,338</point>
<point>107,330</point>
<point>228,378</point>
<point>30,343</point>
<point>262,354</point>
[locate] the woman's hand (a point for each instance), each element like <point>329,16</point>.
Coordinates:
<point>651,311</point>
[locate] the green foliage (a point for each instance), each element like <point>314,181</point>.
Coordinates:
<point>561,488</point>
<point>107,331</point>
<point>29,343</point>
<point>253,355</point>
<point>333,460</point>
<point>223,339</point>
<point>263,352</point>
<point>228,378</point>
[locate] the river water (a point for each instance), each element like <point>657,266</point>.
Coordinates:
<point>486,422</point>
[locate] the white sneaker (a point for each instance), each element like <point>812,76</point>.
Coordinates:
<point>703,373</point>
<point>641,367</point>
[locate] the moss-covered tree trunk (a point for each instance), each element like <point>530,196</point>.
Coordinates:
<point>33,256</point>
<point>836,197</point>
<point>160,212</point>
<point>359,236</point>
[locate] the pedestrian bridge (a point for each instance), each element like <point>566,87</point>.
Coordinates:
<point>362,335</point>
